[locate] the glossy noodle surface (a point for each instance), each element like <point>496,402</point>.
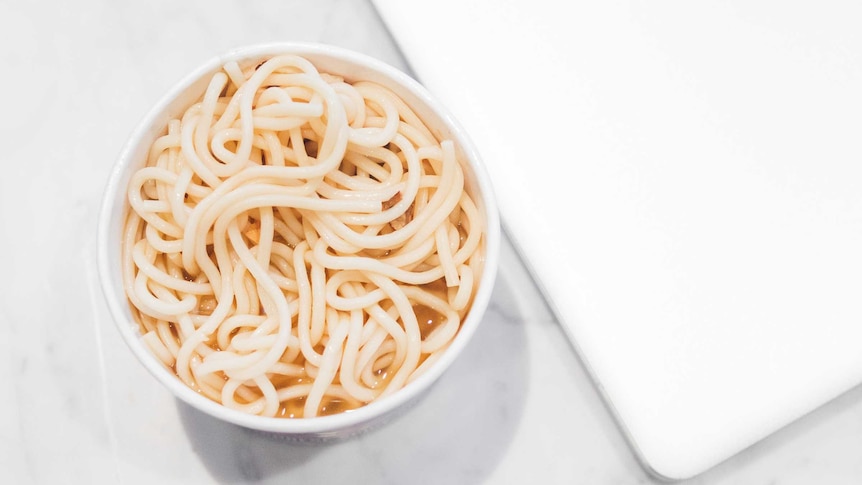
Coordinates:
<point>298,245</point>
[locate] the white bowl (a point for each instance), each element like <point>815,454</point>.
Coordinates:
<point>353,67</point>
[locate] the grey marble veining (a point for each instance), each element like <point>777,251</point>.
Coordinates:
<point>75,407</point>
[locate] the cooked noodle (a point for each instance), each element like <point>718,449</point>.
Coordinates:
<point>298,245</point>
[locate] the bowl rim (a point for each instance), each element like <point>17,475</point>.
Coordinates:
<point>118,304</point>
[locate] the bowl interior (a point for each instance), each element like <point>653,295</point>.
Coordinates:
<point>351,66</point>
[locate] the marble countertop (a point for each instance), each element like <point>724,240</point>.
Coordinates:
<point>76,407</point>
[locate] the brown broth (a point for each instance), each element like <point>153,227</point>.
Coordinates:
<point>428,319</point>
<point>292,408</point>
<point>329,405</point>
<point>334,405</point>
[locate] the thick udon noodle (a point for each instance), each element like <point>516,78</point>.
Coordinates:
<point>298,245</point>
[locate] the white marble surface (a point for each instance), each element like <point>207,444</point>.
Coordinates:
<point>76,408</point>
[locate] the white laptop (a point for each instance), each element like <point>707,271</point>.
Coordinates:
<point>685,181</point>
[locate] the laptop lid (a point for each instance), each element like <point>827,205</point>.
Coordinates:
<point>684,180</point>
